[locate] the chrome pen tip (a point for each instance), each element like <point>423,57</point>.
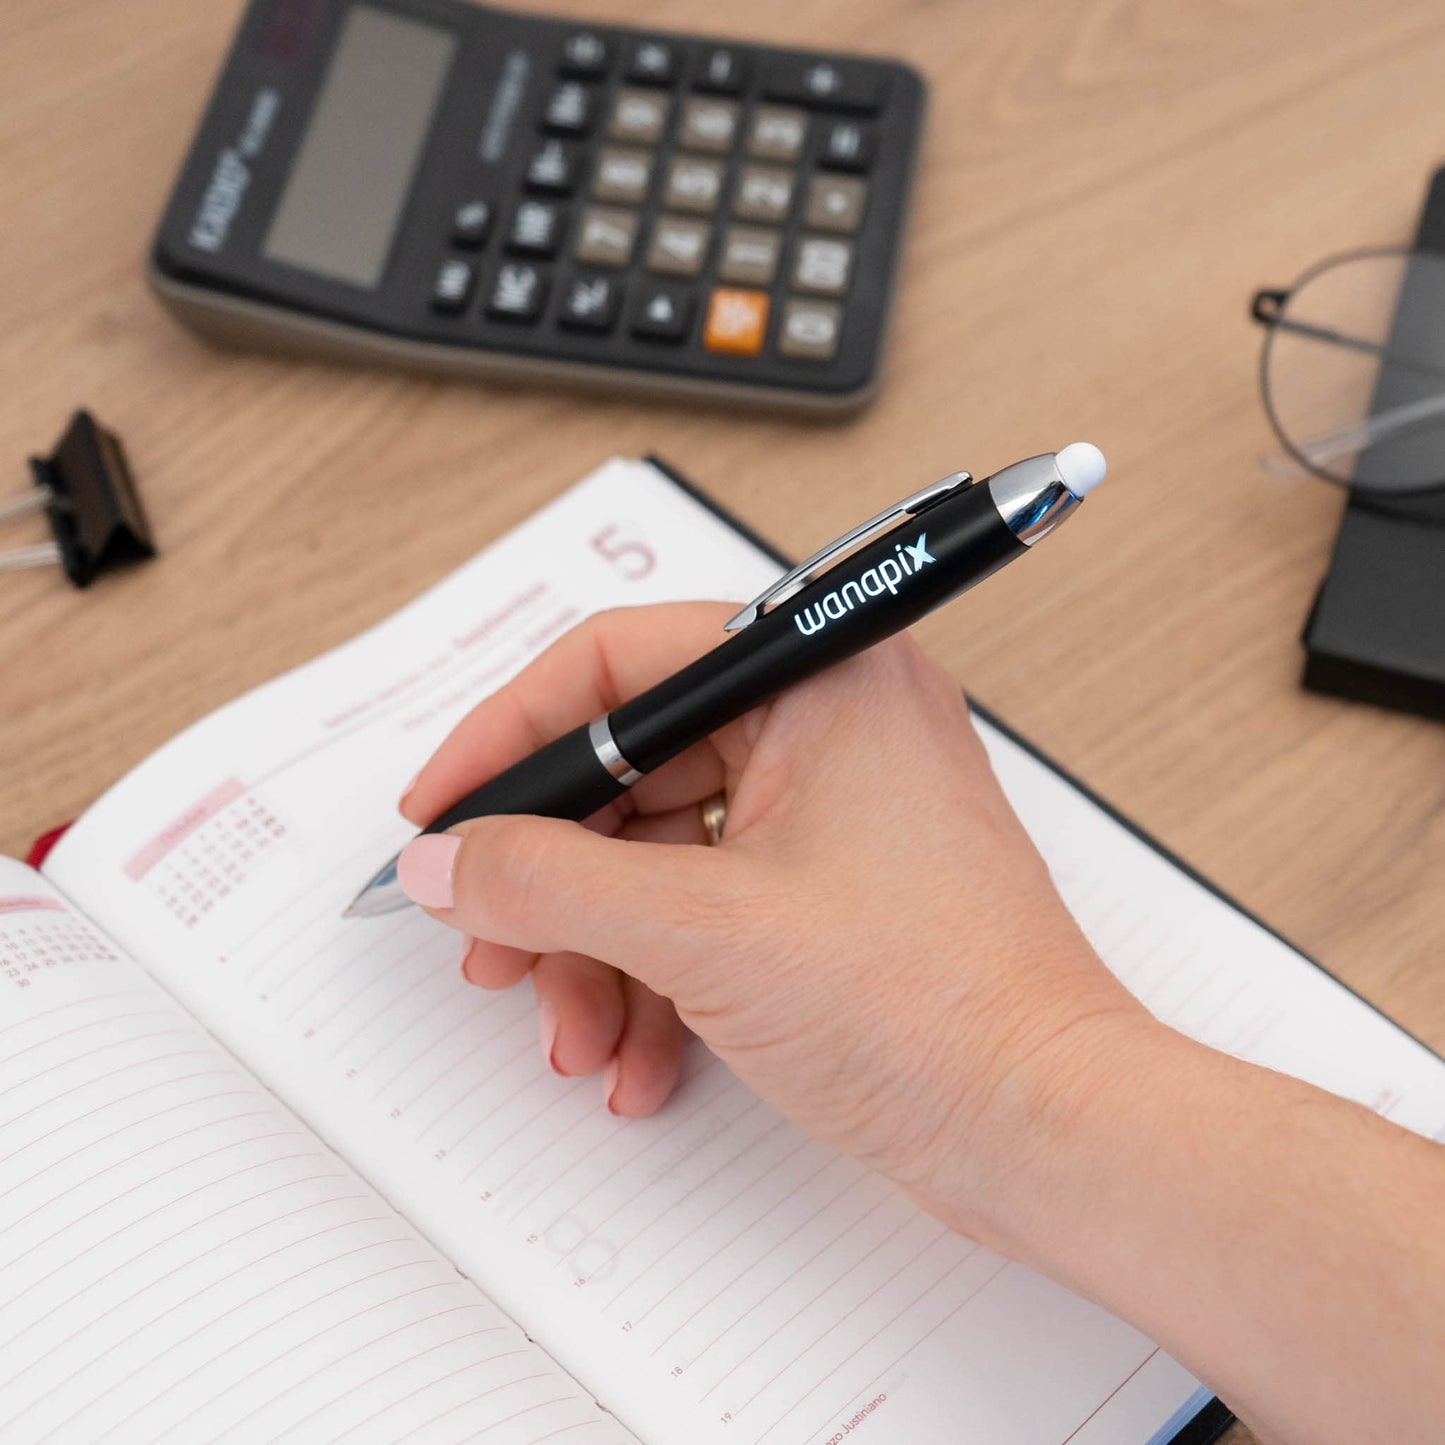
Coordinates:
<point>382,894</point>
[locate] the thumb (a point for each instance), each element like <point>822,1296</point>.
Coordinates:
<point>548,886</point>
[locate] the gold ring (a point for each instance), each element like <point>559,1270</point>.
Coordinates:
<point>714,816</point>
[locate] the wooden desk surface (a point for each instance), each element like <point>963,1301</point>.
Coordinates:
<point>1103,184</point>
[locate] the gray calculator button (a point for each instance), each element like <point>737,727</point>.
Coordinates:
<point>777,133</point>
<point>750,256</point>
<point>810,330</point>
<point>606,237</point>
<point>764,193</point>
<point>453,287</point>
<point>693,185</point>
<point>518,293</point>
<point>679,247</point>
<point>708,125</point>
<point>638,116</point>
<point>622,176</point>
<point>835,203</point>
<point>822,266</point>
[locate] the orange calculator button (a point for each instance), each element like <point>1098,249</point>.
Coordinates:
<point>737,321</point>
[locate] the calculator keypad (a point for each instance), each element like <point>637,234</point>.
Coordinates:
<point>683,195</point>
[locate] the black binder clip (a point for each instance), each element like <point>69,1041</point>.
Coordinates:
<point>88,495</point>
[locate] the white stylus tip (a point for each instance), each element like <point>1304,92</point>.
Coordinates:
<point>1082,466</point>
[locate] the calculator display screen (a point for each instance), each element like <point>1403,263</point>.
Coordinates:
<point>340,205</point>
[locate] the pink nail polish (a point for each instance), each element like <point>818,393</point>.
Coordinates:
<point>424,869</point>
<point>466,954</point>
<point>547,1030</point>
<point>406,792</point>
<point>609,1083</point>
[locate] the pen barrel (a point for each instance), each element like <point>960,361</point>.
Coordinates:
<point>565,779</point>
<point>883,588</point>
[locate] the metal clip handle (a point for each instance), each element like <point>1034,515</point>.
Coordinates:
<point>803,573</point>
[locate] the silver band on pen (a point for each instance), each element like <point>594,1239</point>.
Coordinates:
<point>599,734</point>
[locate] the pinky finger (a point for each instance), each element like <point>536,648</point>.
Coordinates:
<point>644,1069</point>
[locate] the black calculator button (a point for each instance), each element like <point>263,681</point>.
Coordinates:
<point>590,303</point>
<point>638,116</point>
<point>518,293</point>
<point>810,330</point>
<point>822,266</point>
<point>720,70</point>
<point>708,125</point>
<point>536,229</point>
<point>679,246</point>
<point>453,287</point>
<point>552,171</point>
<point>848,145</point>
<point>569,109</point>
<point>653,62</point>
<point>662,313</point>
<point>584,55</point>
<point>826,84</point>
<point>693,185</point>
<point>764,193</point>
<point>777,133</point>
<point>606,237</point>
<point>471,223</point>
<point>750,256</point>
<point>622,176</point>
<point>835,203</point>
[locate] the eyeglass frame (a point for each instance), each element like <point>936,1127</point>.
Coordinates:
<point>1267,308</point>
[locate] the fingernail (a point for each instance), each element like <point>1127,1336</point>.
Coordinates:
<point>609,1083</point>
<point>466,954</point>
<point>547,1029</point>
<point>424,869</point>
<point>406,792</point>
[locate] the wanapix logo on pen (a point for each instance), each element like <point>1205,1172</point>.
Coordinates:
<point>885,577</point>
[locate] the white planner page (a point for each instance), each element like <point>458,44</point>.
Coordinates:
<point>182,1258</point>
<point>711,1274</point>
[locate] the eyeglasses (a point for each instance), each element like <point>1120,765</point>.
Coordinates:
<point>1353,369</point>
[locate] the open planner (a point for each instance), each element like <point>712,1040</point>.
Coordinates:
<point>268,1175</point>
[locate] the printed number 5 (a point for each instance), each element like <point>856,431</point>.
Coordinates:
<point>635,560</point>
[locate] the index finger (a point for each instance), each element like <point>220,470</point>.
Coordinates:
<point>592,669</point>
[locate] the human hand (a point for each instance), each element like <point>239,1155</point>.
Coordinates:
<point>876,948</point>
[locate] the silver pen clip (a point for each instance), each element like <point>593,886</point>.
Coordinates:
<point>804,572</point>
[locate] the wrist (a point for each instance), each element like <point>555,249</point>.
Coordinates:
<point>1055,1132</point>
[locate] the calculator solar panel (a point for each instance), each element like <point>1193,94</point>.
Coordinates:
<point>438,184</point>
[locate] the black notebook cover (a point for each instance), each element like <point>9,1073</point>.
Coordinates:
<point>1376,632</point>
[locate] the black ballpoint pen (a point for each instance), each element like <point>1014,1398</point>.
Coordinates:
<point>933,545</point>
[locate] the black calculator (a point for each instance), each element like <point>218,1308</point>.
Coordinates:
<point>437,184</point>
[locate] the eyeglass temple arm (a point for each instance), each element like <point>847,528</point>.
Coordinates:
<point>1268,309</point>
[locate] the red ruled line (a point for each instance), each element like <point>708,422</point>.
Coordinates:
<point>748,1228</point>
<point>963,1303</point>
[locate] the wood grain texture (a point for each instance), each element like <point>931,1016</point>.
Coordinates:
<point>1103,184</point>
